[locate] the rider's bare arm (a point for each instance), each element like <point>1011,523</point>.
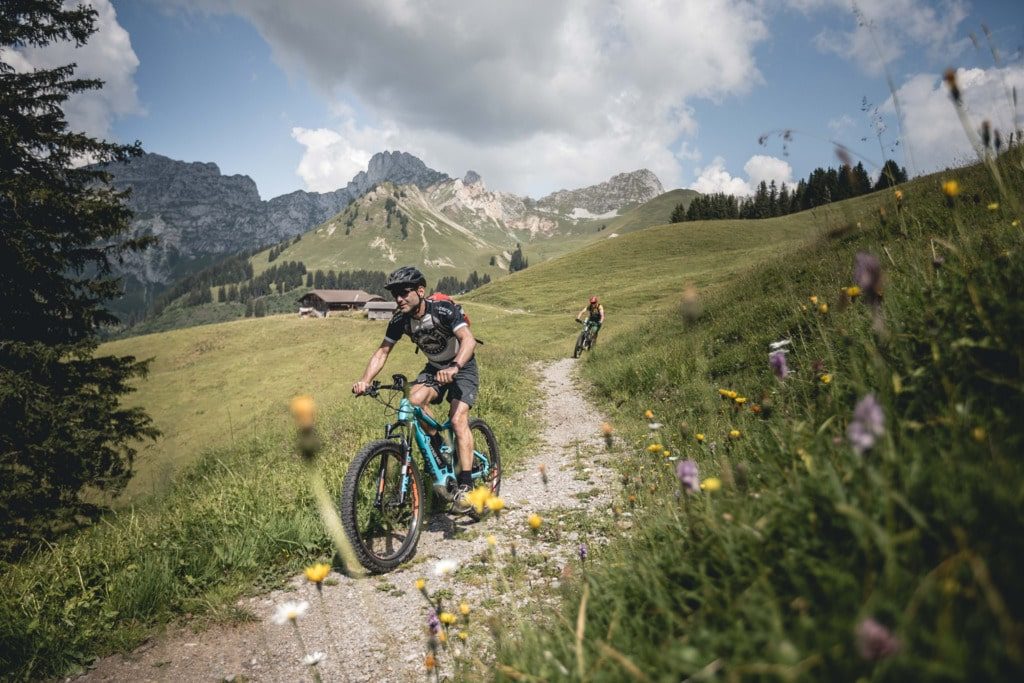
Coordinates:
<point>467,344</point>
<point>579,316</point>
<point>600,308</point>
<point>374,366</point>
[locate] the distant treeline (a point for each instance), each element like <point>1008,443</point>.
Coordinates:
<point>821,187</point>
<point>453,285</point>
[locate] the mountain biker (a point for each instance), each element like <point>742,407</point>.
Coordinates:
<point>440,331</point>
<point>595,316</point>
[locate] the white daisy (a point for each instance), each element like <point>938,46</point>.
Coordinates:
<point>775,346</point>
<point>654,426</point>
<point>313,659</point>
<point>445,567</point>
<point>290,611</point>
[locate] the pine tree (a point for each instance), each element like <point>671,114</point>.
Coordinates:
<point>61,227</point>
<point>678,214</point>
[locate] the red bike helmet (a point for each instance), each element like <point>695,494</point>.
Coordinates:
<point>593,299</point>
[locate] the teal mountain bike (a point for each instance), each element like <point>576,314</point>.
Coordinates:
<point>382,497</point>
<point>587,338</point>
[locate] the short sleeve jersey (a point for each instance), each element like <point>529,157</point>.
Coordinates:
<point>434,333</point>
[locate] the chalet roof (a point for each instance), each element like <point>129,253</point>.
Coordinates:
<point>381,306</point>
<point>342,296</point>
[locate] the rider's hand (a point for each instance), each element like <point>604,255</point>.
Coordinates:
<point>446,375</point>
<point>359,388</point>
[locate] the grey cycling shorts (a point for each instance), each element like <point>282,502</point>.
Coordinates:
<point>463,388</point>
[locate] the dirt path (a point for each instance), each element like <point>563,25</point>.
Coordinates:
<point>374,629</point>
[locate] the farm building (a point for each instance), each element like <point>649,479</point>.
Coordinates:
<point>323,302</point>
<point>380,310</point>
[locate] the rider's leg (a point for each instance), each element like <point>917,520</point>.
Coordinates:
<point>460,424</point>
<point>421,395</point>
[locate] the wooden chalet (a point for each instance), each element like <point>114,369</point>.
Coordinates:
<point>323,302</point>
<point>380,310</point>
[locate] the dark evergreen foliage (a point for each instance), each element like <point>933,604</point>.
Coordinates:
<point>518,262</point>
<point>452,285</point>
<point>61,227</point>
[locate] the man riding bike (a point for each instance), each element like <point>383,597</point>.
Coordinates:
<point>595,316</point>
<point>440,331</point>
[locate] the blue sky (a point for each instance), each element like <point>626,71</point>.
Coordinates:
<point>537,96</point>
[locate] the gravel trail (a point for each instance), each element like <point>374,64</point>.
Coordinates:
<point>374,629</point>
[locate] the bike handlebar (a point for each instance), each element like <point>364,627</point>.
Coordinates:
<point>399,383</point>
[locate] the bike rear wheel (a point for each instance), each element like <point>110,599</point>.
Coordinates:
<point>486,456</point>
<point>381,519</point>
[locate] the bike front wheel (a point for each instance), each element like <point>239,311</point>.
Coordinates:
<point>486,456</point>
<point>580,341</point>
<point>382,506</point>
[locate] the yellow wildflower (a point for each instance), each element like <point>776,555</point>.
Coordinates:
<point>318,572</point>
<point>699,437</point>
<point>649,414</point>
<point>491,540</point>
<point>447,618</point>
<point>534,521</point>
<point>421,585</point>
<point>665,454</point>
<point>803,307</point>
<point>950,188</point>
<point>478,498</point>
<point>853,292</point>
<point>463,635</point>
<point>978,434</point>
<point>1015,222</point>
<point>464,608</point>
<point>826,378</point>
<point>814,299</point>
<point>899,195</point>
<point>993,206</point>
<point>711,484</point>
<point>734,434</point>
<point>430,662</point>
<point>606,429</point>
<point>442,637</point>
<point>740,400</point>
<point>654,448</point>
<point>495,504</point>
<point>823,308</point>
<point>304,411</point>
<point>723,392</point>
<point>732,394</point>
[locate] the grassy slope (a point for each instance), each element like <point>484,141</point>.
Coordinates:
<point>237,519</point>
<point>769,577</point>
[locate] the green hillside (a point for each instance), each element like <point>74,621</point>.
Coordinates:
<point>766,573</point>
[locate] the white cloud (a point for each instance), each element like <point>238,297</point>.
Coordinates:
<point>841,123</point>
<point>715,178</point>
<point>591,86</point>
<point>884,29</point>
<point>765,168</point>
<point>108,56</point>
<point>934,132</point>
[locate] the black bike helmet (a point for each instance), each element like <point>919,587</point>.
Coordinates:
<point>405,277</point>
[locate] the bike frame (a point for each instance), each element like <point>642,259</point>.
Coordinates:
<point>411,418</point>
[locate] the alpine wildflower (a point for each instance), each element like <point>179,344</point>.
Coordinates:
<point>478,498</point>
<point>781,344</point>
<point>852,292</point>
<point>495,504</point>
<point>711,484</point>
<point>740,400</point>
<point>777,362</point>
<point>421,585</point>
<point>993,206</point>
<point>543,469</point>
<point>826,378</point>
<point>814,299</point>
<point>534,520</point>
<point>445,567</point>
<point>950,188</point>
<point>867,274</point>
<point>688,476</point>
<point>433,624</point>
<point>735,434</point>
<point>867,425</point>
<point>654,426</point>
<point>823,308</point>
<point>606,432</point>
<point>290,611</point>
<point>303,409</point>
<point>464,608</point>
<point>649,414</point>
<point>313,659</point>
<point>654,448</point>
<point>875,641</point>
<point>447,618</point>
<point>582,552</point>
<point>699,437</point>
<point>317,573</point>
<point>899,196</point>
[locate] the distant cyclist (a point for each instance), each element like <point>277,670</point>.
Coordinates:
<point>595,316</point>
<point>440,331</point>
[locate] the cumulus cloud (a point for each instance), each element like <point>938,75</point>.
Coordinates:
<point>108,56</point>
<point>882,30</point>
<point>934,132</point>
<point>715,178</point>
<point>599,85</point>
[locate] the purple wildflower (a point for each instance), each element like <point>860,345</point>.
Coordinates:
<point>867,273</point>
<point>433,623</point>
<point>777,361</point>
<point>875,641</point>
<point>582,551</point>
<point>686,472</point>
<point>867,425</point>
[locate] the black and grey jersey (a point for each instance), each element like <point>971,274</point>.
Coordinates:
<point>434,333</point>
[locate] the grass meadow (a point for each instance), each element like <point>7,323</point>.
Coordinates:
<point>796,541</point>
<point>860,517</point>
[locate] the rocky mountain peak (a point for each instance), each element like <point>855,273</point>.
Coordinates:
<point>400,168</point>
<point>471,178</point>
<point>618,192</point>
